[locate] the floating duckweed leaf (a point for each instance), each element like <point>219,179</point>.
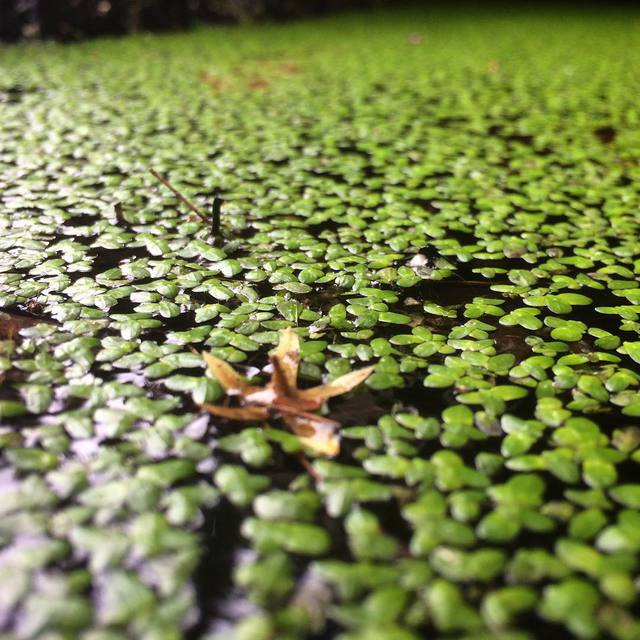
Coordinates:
<point>500,607</point>
<point>250,444</point>
<point>351,579</point>
<point>11,409</point>
<point>627,494</point>
<point>339,386</point>
<point>366,539</point>
<point>574,603</point>
<point>632,349</point>
<point>449,610</point>
<point>32,459</point>
<point>166,473</point>
<point>295,537</point>
<point>523,317</point>
<point>282,505</point>
<point>124,598</point>
<point>394,318</point>
<point>238,485</point>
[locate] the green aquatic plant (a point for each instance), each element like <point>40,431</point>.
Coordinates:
<point>449,198</point>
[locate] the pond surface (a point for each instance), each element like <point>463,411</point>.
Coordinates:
<point>451,198</point>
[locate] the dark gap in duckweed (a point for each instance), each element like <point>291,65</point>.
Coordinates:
<point>512,340</point>
<point>426,204</point>
<point>428,402</point>
<point>544,629</point>
<point>448,292</point>
<point>626,471</point>
<point>362,408</point>
<point>520,139</point>
<point>329,225</point>
<point>13,94</point>
<point>606,135</point>
<point>110,258</point>
<point>212,577</point>
<point>80,220</point>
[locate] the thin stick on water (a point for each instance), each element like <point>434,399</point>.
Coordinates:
<point>216,206</point>
<point>117,208</point>
<point>178,195</point>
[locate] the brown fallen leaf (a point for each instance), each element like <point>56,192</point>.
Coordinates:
<point>337,387</point>
<point>237,413</point>
<point>281,396</point>
<point>319,436</point>
<point>227,376</point>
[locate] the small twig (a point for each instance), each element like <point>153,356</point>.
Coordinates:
<point>117,208</point>
<point>178,195</point>
<point>308,467</point>
<point>216,206</point>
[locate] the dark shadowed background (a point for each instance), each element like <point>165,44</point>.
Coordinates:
<point>74,19</point>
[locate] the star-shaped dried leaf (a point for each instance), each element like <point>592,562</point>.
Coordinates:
<point>281,395</point>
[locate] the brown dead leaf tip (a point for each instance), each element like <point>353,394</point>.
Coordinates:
<point>11,324</point>
<point>257,83</point>
<point>214,82</point>
<point>289,68</point>
<point>282,397</point>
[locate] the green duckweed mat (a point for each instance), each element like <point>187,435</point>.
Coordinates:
<point>453,198</point>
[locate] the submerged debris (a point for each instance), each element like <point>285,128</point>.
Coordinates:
<point>12,323</point>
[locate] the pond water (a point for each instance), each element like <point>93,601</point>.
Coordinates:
<point>451,198</point>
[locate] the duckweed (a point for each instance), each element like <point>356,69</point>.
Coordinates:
<point>449,197</point>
